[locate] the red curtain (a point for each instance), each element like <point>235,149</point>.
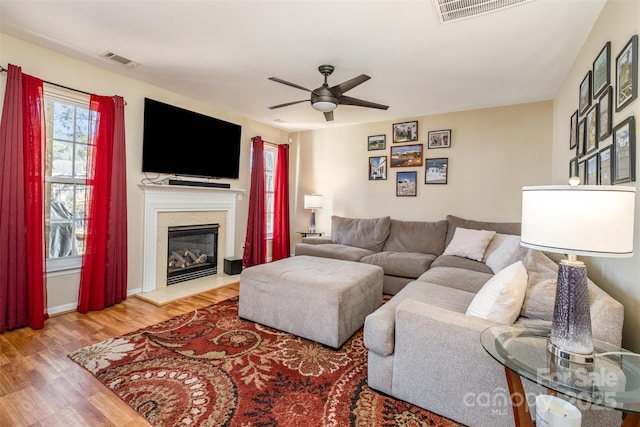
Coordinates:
<point>103,281</point>
<point>22,271</point>
<point>281,233</point>
<point>255,244</point>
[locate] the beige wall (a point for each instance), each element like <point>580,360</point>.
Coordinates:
<point>494,152</point>
<point>618,21</point>
<point>60,69</point>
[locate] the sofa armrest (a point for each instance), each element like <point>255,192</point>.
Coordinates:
<point>315,240</point>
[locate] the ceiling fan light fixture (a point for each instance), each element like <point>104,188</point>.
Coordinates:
<point>324,106</point>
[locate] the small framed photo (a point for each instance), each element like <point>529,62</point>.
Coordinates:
<point>439,138</point>
<point>604,114</point>
<point>627,74</point>
<point>604,166</point>
<point>376,142</point>
<point>573,167</point>
<point>584,100</point>
<point>377,168</point>
<point>405,132</point>
<point>591,174</point>
<point>602,70</point>
<point>581,133</point>
<point>406,156</point>
<point>406,183</point>
<point>573,131</point>
<point>436,171</point>
<point>582,171</point>
<point>624,151</point>
<point>591,130</point>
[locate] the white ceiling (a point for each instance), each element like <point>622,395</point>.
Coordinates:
<point>222,52</point>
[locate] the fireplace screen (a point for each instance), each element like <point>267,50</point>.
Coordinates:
<point>193,252</point>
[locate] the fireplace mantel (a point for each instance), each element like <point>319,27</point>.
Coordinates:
<point>168,198</point>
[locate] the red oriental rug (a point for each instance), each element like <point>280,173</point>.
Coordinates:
<point>211,368</point>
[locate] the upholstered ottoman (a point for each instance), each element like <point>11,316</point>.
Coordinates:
<point>321,299</point>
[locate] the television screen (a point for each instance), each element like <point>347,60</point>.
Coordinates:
<point>182,142</point>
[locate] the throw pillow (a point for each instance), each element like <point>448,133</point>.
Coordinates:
<point>470,244</point>
<point>504,250</point>
<point>500,299</point>
<point>541,289</point>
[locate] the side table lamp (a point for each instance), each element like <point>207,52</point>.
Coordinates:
<point>590,220</point>
<point>313,202</point>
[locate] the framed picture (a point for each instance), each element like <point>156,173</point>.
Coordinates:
<point>604,166</point>
<point>405,132</point>
<point>627,74</point>
<point>406,156</point>
<point>604,114</point>
<point>584,100</point>
<point>406,183</point>
<point>436,171</point>
<point>376,142</point>
<point>582,171</point>
<point>573,131</point>
<point>439,138</point>
<point>573,167</point>
<point>591,130</point>
<point>581,133</point>
<point>602,70</point>
<point>377,168</point>
<point>591,174</point>
<point>624,151</point>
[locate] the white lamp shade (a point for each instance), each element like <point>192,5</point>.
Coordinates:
<point>312,201</point>
<point>591,220</point>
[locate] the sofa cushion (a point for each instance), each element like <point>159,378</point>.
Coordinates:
<point>332,250</point>
<point>504,250</point>
<point>417,236</point>
<point>369,233</point>
<point>403,264</point>
<point>459,262</point>
<point>470,244</point>
<point>541,287</point>
<point>498,227</point>
<point>458,278</point>
<point>500,299</point>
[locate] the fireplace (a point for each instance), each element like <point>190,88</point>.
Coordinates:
<point>192,252</point>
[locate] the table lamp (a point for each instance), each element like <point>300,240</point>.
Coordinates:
<point>313,202</point>
<point>591,220</point>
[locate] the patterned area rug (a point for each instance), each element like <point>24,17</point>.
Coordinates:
<point>210,368</point>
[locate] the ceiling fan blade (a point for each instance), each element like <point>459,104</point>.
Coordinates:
<point>349,84</point>
<point>284,82</point>
<point>287,104</point>
<point>329,116</point>
<point>347,100</point>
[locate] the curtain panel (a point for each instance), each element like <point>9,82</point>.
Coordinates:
<point>255,245</point>
<point>281,244</point>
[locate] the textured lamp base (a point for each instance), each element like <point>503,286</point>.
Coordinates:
<point>312,221</point>
<point>571,337</point>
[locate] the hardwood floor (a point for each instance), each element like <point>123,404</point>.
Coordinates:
<point>41,386</point>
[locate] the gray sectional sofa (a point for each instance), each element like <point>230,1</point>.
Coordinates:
<point>423,346</point>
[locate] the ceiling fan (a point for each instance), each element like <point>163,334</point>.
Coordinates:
<point>326,98</point>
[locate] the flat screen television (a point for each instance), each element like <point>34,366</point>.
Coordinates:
<point>182,142</point>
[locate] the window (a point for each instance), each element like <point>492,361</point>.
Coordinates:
<point>270,156</point>
<point>67,136</point>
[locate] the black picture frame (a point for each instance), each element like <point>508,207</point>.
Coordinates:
<point>581,134</point>
<point>407,184</point>
<point>605,167</point>
<point>602,70</point>
<point>573,167</point>
<point>605,113</point>
<point>591,172</point>
<point>436,171</point>
<point>584,99</point>
<point>439,138</point>
<point>376,142</point>
<point>377,168</point>
<point>406,156</point>
<point>627,74</point>
<point>405,132</point>
<point>591,130</point>
<point>582,169</point>
<point>623,156</point>
<point>573,131</point>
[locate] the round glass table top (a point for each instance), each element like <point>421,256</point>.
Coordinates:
<point>612,381</point>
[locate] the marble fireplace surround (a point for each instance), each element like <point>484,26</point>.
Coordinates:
<point>169,205</point>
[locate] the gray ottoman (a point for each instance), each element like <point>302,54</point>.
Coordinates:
<point>321,299</point>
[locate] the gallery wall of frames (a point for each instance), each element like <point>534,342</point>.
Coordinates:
<point>605,152</point>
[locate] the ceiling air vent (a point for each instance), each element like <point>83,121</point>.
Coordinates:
<point>121,60</point>
<point>454,10</point>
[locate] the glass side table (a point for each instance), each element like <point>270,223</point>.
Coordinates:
<point>613,381</point>
<point>305,233</point>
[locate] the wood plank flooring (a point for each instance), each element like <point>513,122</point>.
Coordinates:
<point>41,386</point>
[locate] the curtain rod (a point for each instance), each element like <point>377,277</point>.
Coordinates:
<point>4,70</point>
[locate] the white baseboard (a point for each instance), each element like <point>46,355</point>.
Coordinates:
<point>72,306</point>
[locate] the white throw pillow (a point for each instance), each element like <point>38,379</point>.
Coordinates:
<point>500,299</point>
<point>504,250</point>
<point>470,244</point>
